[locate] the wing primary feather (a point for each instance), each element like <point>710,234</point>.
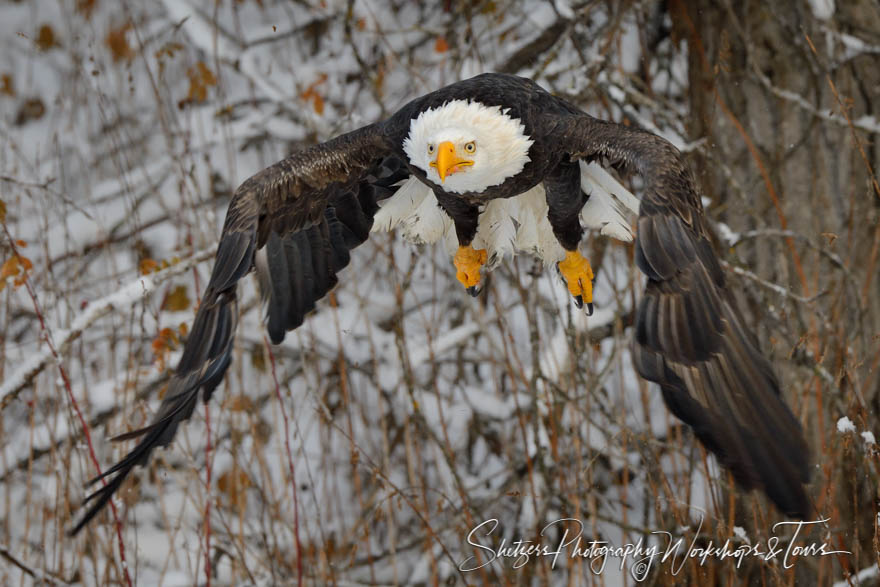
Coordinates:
<point>318,246</point>
<point>308,279</point>
<point>662,265</point>
<point>299,276</point>
<point>289,196</point>
<point>342,240</point>
<point>689,336</point>
<point>683,329</point>
<point>280,291</point>
<point>316,253</point>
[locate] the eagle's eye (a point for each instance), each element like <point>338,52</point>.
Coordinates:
<point>470,147</point>
<point>430,149</point>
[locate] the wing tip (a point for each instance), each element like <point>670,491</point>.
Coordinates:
<point>779,466</point>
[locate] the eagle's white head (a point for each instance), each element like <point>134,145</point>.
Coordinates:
<point>466,146</point>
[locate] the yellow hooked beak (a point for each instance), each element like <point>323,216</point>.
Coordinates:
<point>447,162</point>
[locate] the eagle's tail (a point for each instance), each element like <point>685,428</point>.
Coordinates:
<point>205,359</point>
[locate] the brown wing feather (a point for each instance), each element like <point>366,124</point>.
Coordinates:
<point>289,198</point>
<point>689,336</point>
<point>298,269</point>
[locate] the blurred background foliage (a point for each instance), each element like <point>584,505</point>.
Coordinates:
<point>414,413</point>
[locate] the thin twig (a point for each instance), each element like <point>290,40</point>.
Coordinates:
<point>47,336</point>
<point>35,574</point>
<point>207,523</point>
<point>783,291</point>
<point>118,300</point>
<point>293,488</point>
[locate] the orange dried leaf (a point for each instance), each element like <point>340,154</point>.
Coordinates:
<point>31,109</point>
<point>46,38</point>
<point>380,80</point>
<point>20,243</point>
<point>177,300</point>
<point>2,211</point>
<point>318,103</point>
<point>165,337</point>
<point>117,42</point>
<point>200,79</point>
<point>166,340</point>
<point>167,50</point>
<point>10,268</point>
<point>7,88</point>
<point>26,264</point>
<point>440,45</point>
<point>239,403</point>
<point>311,94</point>
<point>829,236</point>
<point>234,485</point>
<point>258,359</point>
<point>85,7</point>
<point>148,265</point>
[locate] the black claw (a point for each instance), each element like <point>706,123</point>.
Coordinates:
<point>590,309</point>
<point>474,290</point>
<point>579,301</point>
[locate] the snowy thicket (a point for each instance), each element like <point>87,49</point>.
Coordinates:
<point>413,412</point>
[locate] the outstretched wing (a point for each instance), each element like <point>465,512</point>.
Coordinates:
<point>689,335</point>
<point>298,269</point>
<point>307,211</point>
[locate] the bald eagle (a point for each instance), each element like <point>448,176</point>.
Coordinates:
<point>495,165</point>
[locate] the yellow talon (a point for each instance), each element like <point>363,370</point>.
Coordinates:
<point>578,276</point>
<point>468,261</point>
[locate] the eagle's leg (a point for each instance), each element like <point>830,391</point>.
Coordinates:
<point>467,260</point>
<point>565,201</point>
<point>578,275</point>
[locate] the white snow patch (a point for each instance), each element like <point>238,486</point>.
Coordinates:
<point>871,123</point>
<point>447,341</point>
<point>120,300</point>
<point>822,9</point>
<point>845,425</point>
<point>865,574</point>
<point>563,7</point>
<point>727,234</point>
